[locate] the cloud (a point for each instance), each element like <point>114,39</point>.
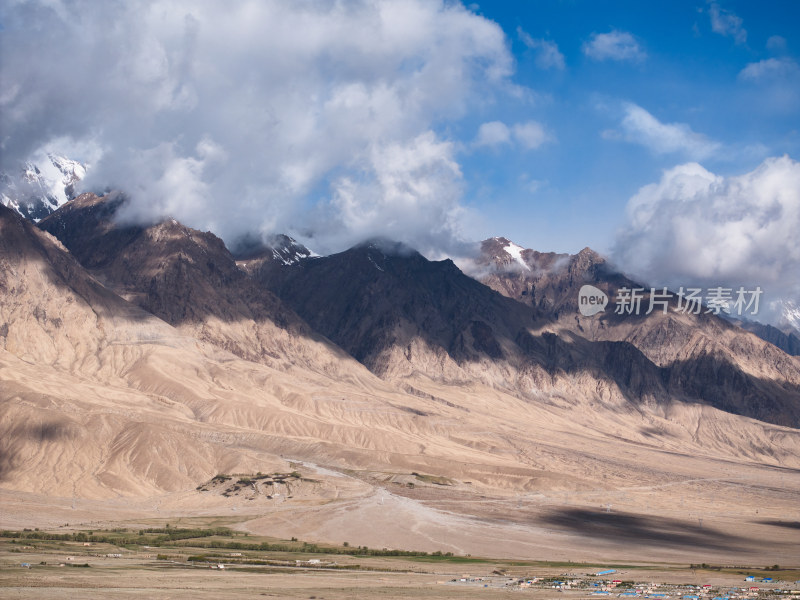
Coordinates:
<point>726,23</point>
<point>694,227</point>
<point>407,183</point>
<point>776,43</point>
<point>548,55</point>
<point>775,84</point>
<point>530,184</point>
<point>639,126</point>
<point>770,68</point>
<point>615,45</point>
<point>528,135</point>
<point>493,133</point>
<point>234,116</point>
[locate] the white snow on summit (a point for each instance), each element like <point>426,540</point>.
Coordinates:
<point>516,253</point>
<point>790,314</point>
<point>288,251</point>
<point>41,186</point>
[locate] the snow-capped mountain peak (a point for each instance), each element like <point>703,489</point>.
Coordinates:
<point>41,186</point>
<point>503,251</point>
<point>789,315</point>
<point>280,248</point>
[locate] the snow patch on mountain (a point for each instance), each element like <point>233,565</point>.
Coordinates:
<point>516,253</point>
<point>41,186</point>
<point>789,315</point>
<point>289,251</point>
<point>278,248</point>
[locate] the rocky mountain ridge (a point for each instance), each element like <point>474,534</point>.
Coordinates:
<point>404,317</point>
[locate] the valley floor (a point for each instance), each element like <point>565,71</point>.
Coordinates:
<point>752,520</point>
<point>119,564</point>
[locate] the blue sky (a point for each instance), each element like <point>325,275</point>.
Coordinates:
<point>685,73</point>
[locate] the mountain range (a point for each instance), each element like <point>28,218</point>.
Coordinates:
<point>137,361</point>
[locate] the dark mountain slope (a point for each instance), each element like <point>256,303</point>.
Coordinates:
<point>189,279</point>
<point>401,315</point>
<point>785,340</point>
<point>378,295</point>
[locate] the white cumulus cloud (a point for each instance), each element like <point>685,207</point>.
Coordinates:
<point>774,83</point>
<point>727,23</point>
<point>531,134</point>
<point>407,183</point>
<point>548,56</point>
<point>695,227</point>
<point>493,133</point>
<point>252,114</point>
<point>614,45</point>
<point>771,68</point>
<point>776,43</point>
<point>641,127</point>
<point>528,135</point>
